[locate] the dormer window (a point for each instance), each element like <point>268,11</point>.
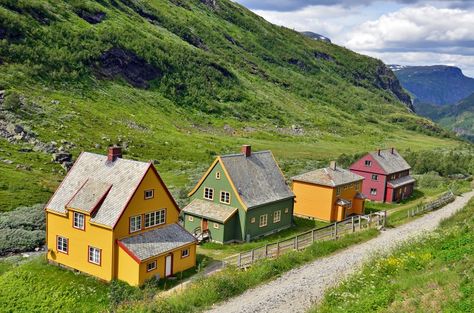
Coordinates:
<point>368,163</point>
<point>218,175</point>
<point>149,194</point>
<point>78,220</point>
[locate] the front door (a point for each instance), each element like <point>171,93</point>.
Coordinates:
<point>169,265</point>
<point>204,225</point>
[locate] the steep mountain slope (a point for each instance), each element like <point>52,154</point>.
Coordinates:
<point>316,36</point>
<point>459,117</point>
<point>177,82</point>
<point>437,84</point>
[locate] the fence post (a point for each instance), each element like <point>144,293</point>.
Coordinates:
<point>335,230</point>
<point>353,226</point>
<point>278,248</point>
<point>312,236</point>
<point>266,250</point>
<point>384,218</point>
<point>253,255</point>
<point>296,243</point>
<point>239,260</point>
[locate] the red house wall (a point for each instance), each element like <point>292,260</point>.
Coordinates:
<point>361,169</point>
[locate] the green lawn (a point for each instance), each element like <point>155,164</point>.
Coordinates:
<point>433,274</point>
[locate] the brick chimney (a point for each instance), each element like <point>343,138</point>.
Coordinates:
<point>114,153</point>
<point>332,165</point>
<point>247,150</point>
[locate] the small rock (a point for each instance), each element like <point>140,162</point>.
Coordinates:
<point>37,249</point>
<point>25,167</point>
<point>61,157</point>
<point>7,161</point>
<point>56,102</point>
<point>67,165</point>
<point>97,146</point>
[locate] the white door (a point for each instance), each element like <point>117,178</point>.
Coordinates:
<point>168,265</point>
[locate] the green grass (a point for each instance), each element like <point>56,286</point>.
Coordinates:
<point>218,251</point>
<point>230,282</point>
<point>37,287</point>
<point>433,274</point>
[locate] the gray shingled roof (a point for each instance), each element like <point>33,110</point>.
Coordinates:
<point>402,181</point>
<point>343,202</point>
<point>158,241</point>
<point>390,162</point>
<point>124,176</point>
<point>211,210</point>
<point>257,178</point>
<point>89,195</point>
<point>328,177</point>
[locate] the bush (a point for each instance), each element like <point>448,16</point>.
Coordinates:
<point>22,229</point>
<point>27,218</point>
<point>18,240</point>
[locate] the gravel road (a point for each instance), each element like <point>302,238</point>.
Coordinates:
<point>299,289</point>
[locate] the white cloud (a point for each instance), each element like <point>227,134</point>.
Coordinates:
<point>413,27</point>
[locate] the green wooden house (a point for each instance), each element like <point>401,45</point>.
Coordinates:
<point>240,198</point>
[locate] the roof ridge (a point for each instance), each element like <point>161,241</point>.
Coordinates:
<point>241,154</point>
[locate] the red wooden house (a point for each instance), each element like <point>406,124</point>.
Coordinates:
<point>387,176</point>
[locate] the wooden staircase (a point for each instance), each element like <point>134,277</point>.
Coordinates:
<point>202,235</point>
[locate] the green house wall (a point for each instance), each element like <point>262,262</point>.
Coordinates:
<point>255,231</point>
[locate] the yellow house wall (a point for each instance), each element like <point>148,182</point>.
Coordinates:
<point>78,245</point>
<point>128,268</point>
<point>179,264</point>
<point>314,201</point>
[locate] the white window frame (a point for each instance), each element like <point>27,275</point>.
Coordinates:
<point>218,175</point>
<point>133,223</point>
<point>226,196</point>
<point>190,218</point>
<point>373,191</point>
<point>185,253</point>
<point>215,225</point>
<point>368,163</point>
<point>252,220</point>
<point>80,219</point>
<point>62,244</point>
<point>152,191</point>
<point>287,210</point>
<point>263,221</point>
<point>151,266</point>
<point>375,177</point>
<point>94,255</point>
<point>155,218</point>
<point>208,193</point>
<point>277,216</point>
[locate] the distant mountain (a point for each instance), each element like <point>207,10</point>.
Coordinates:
<point>438,84</point>
<point>316,36</point>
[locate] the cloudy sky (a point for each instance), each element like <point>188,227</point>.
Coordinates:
<point>407,32</point>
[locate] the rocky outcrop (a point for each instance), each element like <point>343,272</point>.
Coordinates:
<point>118,62</point>
<point>210,3</point>
<point>91,17</point>
<point>323,56</point>
<point>385,79</point>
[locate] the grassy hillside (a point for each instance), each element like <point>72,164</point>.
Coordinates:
<point>178,82</point>
<point>431,275</point>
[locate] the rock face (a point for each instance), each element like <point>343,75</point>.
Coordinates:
<point>316,36</point>
<point>385,79</point>
<point>135,70</point>
<point>91,17</point>
<point>439,84</point>
<point>210,3</point>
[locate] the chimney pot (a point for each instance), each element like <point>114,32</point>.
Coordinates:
<point>247,150</point>
<point>114,153</point>
<point>333,165</point>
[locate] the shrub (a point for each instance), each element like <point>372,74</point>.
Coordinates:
<point>27,218</point>
<point>18,240</point>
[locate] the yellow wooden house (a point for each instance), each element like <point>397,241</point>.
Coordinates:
<point>115,219</point>
<point>328,194</point>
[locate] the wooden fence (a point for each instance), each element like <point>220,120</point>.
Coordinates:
<point>303,240</point>
<point>434,205</point>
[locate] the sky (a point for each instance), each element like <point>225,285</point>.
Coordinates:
<point>405,32</point>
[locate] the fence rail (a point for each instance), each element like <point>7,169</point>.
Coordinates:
<point>434,205</point>
<point>304,240</point>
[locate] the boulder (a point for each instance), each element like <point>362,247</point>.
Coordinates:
<point>91,17</point>
<point>61,157</point>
